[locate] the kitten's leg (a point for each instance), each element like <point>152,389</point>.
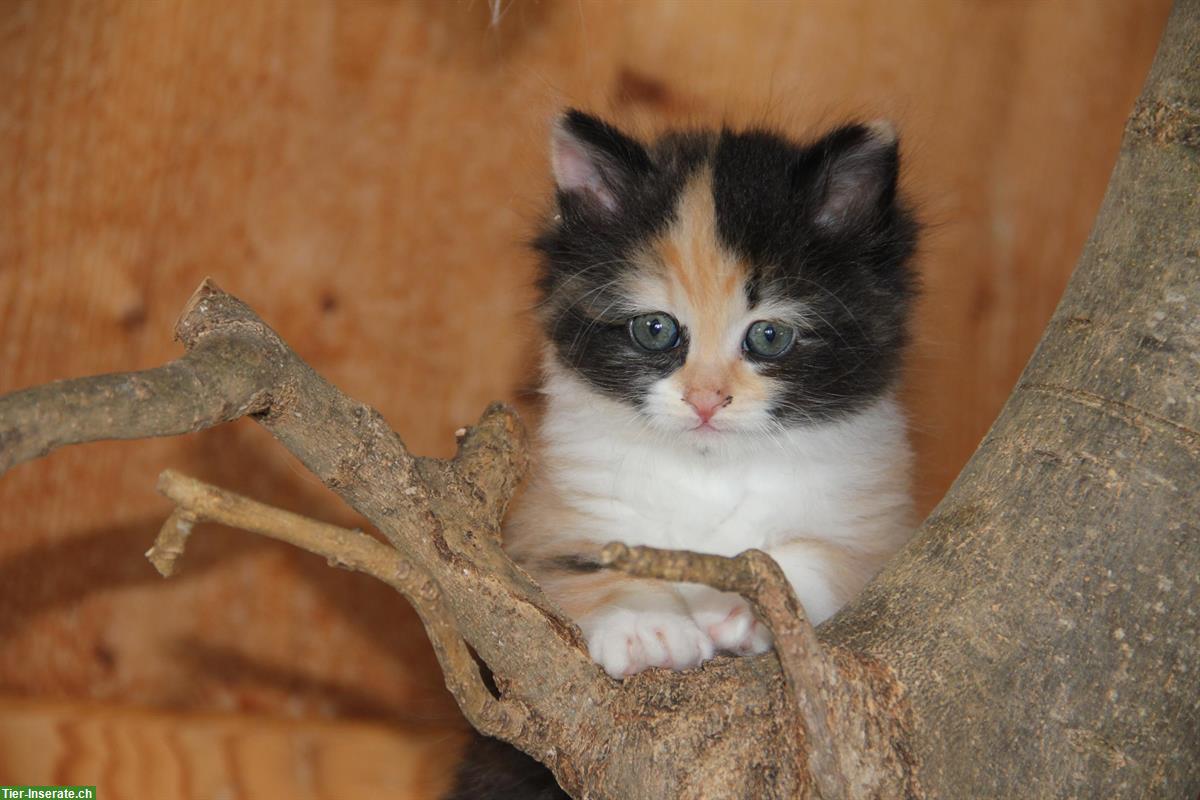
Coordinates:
<point>644,625</point>
<point>629,624</point>
<point>726,619</point>
<point>824,577</point>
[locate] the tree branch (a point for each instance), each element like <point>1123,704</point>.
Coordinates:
<point>197,501</point>
<point>217,382</point>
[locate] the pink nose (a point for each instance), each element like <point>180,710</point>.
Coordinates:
<point>706,402</point>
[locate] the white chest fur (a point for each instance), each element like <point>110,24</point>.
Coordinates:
<point>829,502</point>
<point>844,482</point>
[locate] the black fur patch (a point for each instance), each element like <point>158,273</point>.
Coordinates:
<point>494,770</point>
<point>820,223</point>
<point>574,563</point>
<point>587,248</point>
<point>853,272</point>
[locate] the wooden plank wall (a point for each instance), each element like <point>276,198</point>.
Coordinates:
<point>364,173</point>
<point>135,754</point>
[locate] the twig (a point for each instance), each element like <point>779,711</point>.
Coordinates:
<point>342,547</point>
<point>171,540</point>
<point>197,501</point>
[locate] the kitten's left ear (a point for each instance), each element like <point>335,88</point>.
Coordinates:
<point>593,161</point>
<point>855,175</point>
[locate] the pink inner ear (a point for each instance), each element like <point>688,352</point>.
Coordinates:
<point>860,176</point>
<point>576,171</point>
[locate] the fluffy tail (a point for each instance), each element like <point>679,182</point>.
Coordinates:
<point>495,770</point>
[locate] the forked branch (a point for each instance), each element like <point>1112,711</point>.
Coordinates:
<point>198,502</point>
<point>441,520</point>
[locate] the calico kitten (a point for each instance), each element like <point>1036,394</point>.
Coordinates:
<point>724,315</point>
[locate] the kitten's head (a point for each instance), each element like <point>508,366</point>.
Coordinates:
<point>724,283</point>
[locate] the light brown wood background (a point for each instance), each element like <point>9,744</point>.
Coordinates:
<point>364,173</point>
<point>147,755</point>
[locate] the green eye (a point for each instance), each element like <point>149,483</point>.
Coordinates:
<point>655,332</point>
<point>769,339</point>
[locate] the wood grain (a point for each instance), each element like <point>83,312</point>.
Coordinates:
<point>134,755</point>
<point>364,174</point>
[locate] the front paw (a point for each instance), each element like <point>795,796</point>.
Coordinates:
<point>625,642</point>
<point>730,623</point>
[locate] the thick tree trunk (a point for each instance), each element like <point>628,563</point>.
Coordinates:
<point>1044,621</point>
<point>1038,638</point>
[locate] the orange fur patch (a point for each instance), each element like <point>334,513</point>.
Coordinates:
<point>539,537</point>
<point>538,545</point>
<point>703,285</point>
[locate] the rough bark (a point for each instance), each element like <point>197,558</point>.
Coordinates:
<point>1038,638</point>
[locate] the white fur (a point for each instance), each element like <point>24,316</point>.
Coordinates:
<point>646,478</point>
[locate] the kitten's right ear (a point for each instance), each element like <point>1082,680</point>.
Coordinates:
<point>593,161</point>
<point>852,173</point>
